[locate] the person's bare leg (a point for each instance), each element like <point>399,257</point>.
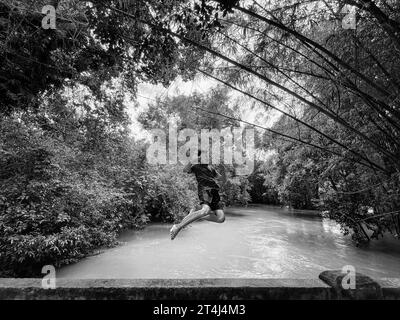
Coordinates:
<point>191,217</point>
<point>217,216</point>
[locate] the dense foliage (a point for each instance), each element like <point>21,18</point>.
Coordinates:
<point>336,144</point>
<point>70,182</point>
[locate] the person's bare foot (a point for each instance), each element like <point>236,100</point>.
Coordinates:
<point>174,231</point>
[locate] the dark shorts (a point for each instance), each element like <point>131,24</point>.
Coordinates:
<point>214,199</point>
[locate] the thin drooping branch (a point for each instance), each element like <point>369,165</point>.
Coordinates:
<point>390,26</point>
<point>348,83</point>
<point>287,69</point>
<point>284,136</point>
<point>215,53</point>
<point>276,68</point>
<point>279,69</point>
<point>307,57</point>
<point>358,155</point>
<point>393,140</point>
<point>305,39</point>
<point>387,74</point>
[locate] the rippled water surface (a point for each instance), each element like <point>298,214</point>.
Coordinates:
<point>254,242</point>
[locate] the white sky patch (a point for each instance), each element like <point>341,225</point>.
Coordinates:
<point>147,93</point>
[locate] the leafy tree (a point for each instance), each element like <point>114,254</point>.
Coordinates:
<point>90,38</point>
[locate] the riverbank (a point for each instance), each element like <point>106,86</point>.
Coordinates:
<point>289,210</point>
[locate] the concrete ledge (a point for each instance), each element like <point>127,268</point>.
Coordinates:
<point>172,289</point>
<point>390,288</point>
<point>163,289</point>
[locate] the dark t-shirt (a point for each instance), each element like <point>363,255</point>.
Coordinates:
<point>205,176</point>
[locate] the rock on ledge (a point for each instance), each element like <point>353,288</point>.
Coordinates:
<point>365,287</point>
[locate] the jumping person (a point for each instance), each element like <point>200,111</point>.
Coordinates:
<point>208,193</point>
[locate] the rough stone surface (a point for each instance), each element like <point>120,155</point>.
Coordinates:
<point>197,289</point>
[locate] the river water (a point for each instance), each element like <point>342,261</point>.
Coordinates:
<point>254,242</point>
